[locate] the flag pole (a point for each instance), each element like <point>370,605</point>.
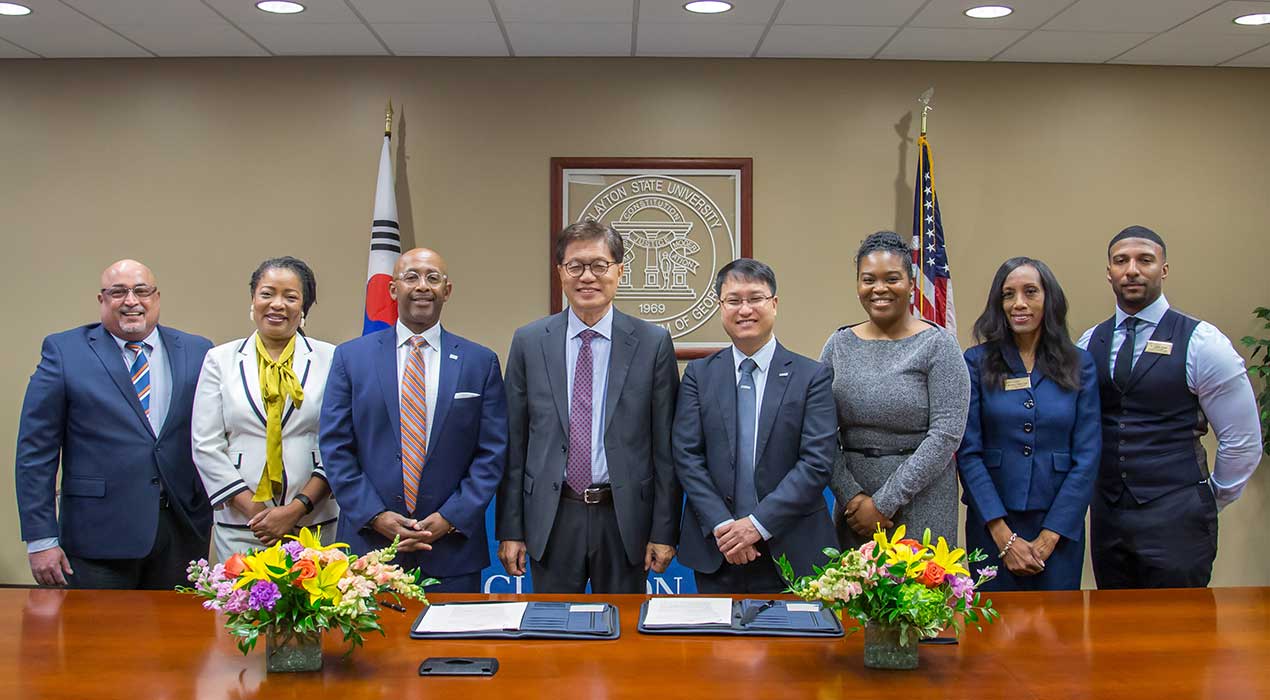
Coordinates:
<point>388,120</point>
<point>924,100</point>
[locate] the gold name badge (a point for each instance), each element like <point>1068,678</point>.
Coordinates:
<point>1018,383</point>
<point>1160,347</point>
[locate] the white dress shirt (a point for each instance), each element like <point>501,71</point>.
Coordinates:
<point>601,346</point>
<point>431,361</point>
<point>763,359</point>
<point>1215,373</point>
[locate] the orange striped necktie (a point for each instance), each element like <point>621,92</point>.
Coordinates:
<point>414,421</point>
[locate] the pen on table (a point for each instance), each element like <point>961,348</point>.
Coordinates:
<point>392,606</point>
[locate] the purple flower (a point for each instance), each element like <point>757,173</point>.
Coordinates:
<point>237,601</point>
<point>988,572</point>
<point>212,604</point>
<point>962,587</point>
<point>264,595</point>
<point>294,548</point>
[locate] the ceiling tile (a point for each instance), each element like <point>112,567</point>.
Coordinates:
<point>443,38</point>
<point>788,41</point>
<point>1220,20</point>
<point>114,12</point>
<point>312,39</point>
<point>544,11</point>
<point>68,36</point>
<point>742,12</point>
<point>950,44</point>
<point>696,39</point>
<point>385,11</point>
<point>203,39</point>
<point>1072,47</point>
<point>245,12</point>
<point>950,14</point>
<point>570,39</point>
<point>1144,16</point>
<point>1191,49</point>
<point>1257,59</point>
<point>856,13</point>
<point>8,50</point>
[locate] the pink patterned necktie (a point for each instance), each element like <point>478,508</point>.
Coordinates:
<point>578,466</point>
<point>414,421</point>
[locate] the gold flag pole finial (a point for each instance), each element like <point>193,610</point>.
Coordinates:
<point>388,119</point>
<point>925,101</point>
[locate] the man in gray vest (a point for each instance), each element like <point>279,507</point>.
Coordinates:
<point>1163,377</point>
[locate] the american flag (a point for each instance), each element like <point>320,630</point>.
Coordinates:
<point>933,293</point>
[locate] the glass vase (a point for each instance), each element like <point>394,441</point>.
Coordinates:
<point>882,648</point>
<point>287,651</point>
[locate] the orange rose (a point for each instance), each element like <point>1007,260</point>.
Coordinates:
<point>912,543</point>
<point>307,569</point>
<point>235,566</point>
<point>933,575</point>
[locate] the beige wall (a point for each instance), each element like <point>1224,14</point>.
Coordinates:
<point>202,168</point>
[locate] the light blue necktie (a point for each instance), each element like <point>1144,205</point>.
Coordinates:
<point>746,410</point>
<point>140,371</point>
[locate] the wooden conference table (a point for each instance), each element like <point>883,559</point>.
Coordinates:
<point>1208,643</point>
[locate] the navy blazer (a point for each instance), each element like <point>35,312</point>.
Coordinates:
<point>1033,449</point>
<point>359,435</point>
<point>796,439</point>
<point>82,410</point>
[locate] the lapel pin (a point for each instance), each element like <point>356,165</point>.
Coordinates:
<point>454,357</point>
<point>783,374</point>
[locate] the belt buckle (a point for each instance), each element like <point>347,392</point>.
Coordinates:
<point>589,494</point>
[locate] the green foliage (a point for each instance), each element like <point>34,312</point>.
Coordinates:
<point>1261,369</point>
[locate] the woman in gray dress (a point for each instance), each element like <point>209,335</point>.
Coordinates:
<point>902,391</point>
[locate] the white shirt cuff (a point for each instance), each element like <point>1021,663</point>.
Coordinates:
<point>41,544</point>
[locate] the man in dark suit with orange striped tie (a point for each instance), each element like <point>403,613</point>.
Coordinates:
<point>413,433</point>
<point>110,403</point>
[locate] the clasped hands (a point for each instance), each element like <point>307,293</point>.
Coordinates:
<point>737,539</point>
<point>416,535</point>
<point>1024,557</point>
<point>863,516</point>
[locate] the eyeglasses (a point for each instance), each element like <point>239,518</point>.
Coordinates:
<point>120,292</point>
<point>733,303</point>
<point>411,278</point>
<point>597,267</point>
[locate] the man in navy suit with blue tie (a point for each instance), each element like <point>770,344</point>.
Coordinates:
<point>413,433</point>
<point>110,402</point>
<point>754,443</point>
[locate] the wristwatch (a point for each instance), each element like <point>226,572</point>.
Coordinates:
<point>305,501</point>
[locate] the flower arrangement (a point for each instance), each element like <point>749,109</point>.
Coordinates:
<point>913,586</point>
<point>300,587</point>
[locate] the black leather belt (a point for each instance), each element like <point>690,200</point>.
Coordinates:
<point>878,452</point>
<point>592,496</point>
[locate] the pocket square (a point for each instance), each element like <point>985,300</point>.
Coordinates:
<point>467,395</point>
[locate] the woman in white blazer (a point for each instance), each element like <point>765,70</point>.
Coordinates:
<point>255,423</point>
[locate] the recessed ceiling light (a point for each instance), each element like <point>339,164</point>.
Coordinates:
<point>280,7</point>
<point>989,12</point>
<point>12,9</point>
<point>1253,20</point>
<point>708,7</point>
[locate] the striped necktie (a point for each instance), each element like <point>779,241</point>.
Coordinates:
<point>414,421</point>
<point>140,371</point>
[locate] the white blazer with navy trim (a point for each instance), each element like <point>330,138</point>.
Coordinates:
<point>228,427</point>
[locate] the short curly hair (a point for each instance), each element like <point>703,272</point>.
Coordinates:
<point>888,242</point>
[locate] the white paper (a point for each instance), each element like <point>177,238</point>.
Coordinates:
<point>803,607</point>
<point>678,612</point>
<point>588,608</point>
<point>478,617</point>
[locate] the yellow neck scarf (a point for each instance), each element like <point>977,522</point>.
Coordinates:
<point>277,382</point>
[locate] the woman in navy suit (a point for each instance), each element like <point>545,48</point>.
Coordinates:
<point>1030,452</point>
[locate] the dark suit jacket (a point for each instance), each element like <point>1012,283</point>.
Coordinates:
<point>82,410</point>
<point>1031,449</point>
<point>796,439</point>
<point>360,438</point>
<point>638,412</point>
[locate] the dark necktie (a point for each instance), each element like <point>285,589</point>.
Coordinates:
<point>746,410</point>
<point>1124,358</point>
<point>577,473</point>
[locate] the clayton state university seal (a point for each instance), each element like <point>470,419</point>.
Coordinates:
<point>676,239</point>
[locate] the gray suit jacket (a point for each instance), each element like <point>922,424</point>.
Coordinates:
<point>796,442</point>
<point>638,416</point>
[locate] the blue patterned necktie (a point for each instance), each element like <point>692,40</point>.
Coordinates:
<point>746,410</point>
<point>140,371</point>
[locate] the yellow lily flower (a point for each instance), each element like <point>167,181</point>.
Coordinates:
<point>883,544</point>
<point>313,540</point>
<point>323,586</point>
<point>948,560</point>
<point>263,566</point>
